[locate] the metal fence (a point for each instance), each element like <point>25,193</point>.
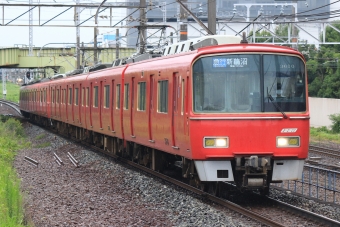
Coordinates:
<point>317,183</point>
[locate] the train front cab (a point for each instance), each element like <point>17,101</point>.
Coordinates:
<point>250,121</point>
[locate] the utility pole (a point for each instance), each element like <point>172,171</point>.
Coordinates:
<point>30,45</point>
<point>76,21</point>
<point>294,32</point>
<point>183,17</point>
<point>117,43</point>
<point>212,16</point>
<point>142,31</point>
<point>4,90</point>
<point>95,59</point>
<point>95,55</point>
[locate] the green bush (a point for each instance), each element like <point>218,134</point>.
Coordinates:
<point>335,118</point>
<point>11,139</point>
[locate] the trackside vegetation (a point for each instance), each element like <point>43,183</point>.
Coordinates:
<point>12,138</point>
<point>12,92</point>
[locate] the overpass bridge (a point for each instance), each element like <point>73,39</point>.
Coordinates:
<point>48,61</point>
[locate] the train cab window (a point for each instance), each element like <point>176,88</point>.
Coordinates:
<point>141,96</point>
<point>87,96</point>
<point>95,96</point>
<point>118,96</point>
<point>106,96</point>
<point>249,83</point>
<point>162,96</point>
<point>76,96</point>
<point>70,96</point>
<point>126,96</point>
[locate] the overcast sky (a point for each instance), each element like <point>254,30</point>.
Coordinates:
<point>43,35</point>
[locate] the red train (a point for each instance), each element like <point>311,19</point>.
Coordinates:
<point>231,112</point>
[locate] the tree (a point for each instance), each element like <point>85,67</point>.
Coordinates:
<point>323,72</point>
<point>261,36</point>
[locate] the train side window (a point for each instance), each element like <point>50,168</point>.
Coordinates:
<point>106,96</point>
<point>87,96</point>
<point>162,96</point>
<point>41,95</point>
<point>58,96</point>
<point>64,96</point>
<point>126,96</point>
<point>52,96</point>
<point>45,94</point>
<point>118,96</point>
<point>141,96</point>
<point>76,96</point>
<point>70,96</point>
<point>83,96</point>
<point>95,96</point>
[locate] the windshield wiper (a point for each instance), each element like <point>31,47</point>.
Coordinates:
<point>277,106</point>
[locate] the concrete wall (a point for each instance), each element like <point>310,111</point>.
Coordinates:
<point>320,109</point>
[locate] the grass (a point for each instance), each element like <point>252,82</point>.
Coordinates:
<point>12,92</point>
<point>12,138</point>
<point>322,134</point>
<point>38,137</point>
<point>43,145</point>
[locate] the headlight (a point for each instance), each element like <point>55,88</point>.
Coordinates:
<point>293,141</point>
<point>211,142</point>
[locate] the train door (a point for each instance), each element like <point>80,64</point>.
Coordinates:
<point>80,102</point>
<point>151,105</point>
<point>72,101</point>
<point>175,116</point>
<point>59,101</point>
<point>112,107</point>
<point>66,103</point>
<point>90,105</point>
<point>132,105</point>
<point>100,102</point>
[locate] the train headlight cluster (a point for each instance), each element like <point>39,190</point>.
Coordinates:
<point>216,142</point>
<point>288,141</point>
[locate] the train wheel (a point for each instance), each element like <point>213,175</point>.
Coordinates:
<point>264,191</point>
<point>214,188</point>
<point>204,187</point>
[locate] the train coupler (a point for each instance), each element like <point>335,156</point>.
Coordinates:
<point>254,180</point>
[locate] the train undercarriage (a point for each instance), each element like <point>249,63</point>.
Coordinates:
<point>248,172</point>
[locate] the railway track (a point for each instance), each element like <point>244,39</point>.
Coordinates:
<point>325,151</point>
<point>304,214</point>
<point>262,218</point>
<point>13,105</point>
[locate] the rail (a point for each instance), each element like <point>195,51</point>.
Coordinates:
<point>316,183</point>
<point>13,105</point>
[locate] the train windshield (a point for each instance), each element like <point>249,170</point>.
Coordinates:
<point>244,83</point>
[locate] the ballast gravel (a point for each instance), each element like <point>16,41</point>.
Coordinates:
<point>103,192</point>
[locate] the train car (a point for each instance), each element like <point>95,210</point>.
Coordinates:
<point>226,112</point>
